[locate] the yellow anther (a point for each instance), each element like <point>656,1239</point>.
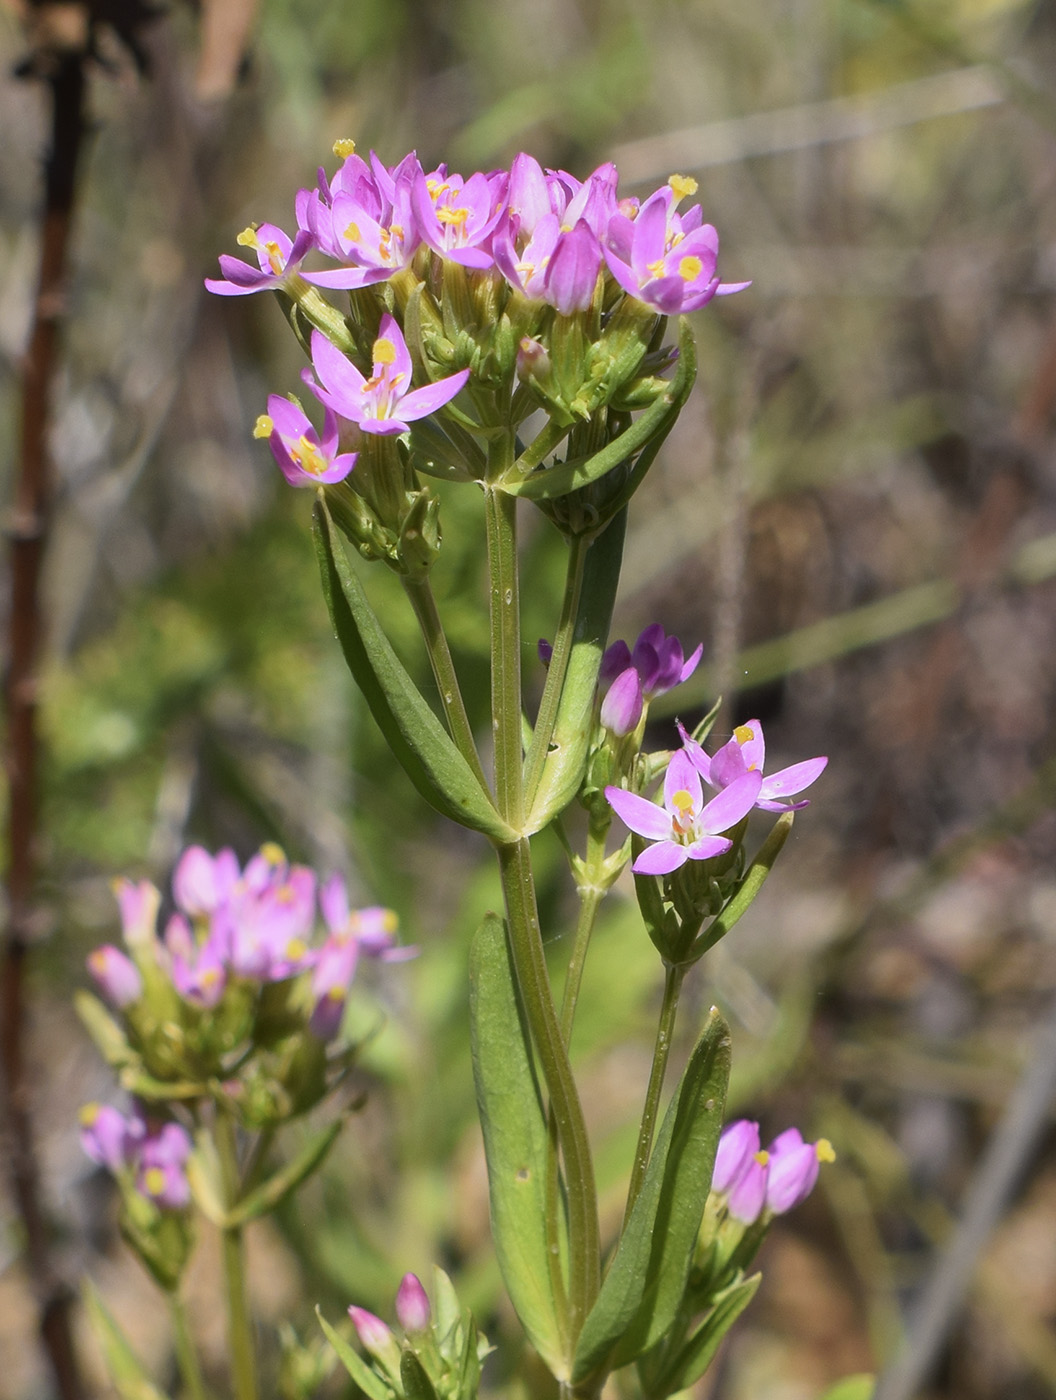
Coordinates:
<point>762,1157</point>
<point>154,1181</point>
<point>436,188</point>
<point>352,233</point>
<point>307,456</point>
<point>455,217</point>
<point>210,977</point>
<point>824,1150</point>
<point>656,269</point>
<point>336,993</point>
<point>689,269</point>
<point>682,185</point>
<point>344,147</point>
<point>247,238</point>
<point>743,734</point>
<point>88,1114</point>
<point>384,351</point>
<point>273,853</point>
<point>296,949</point>
<point>275,259</point>
<point>683,801</point>
<point>263,427</point>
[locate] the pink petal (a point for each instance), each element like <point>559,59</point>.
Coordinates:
<point>640,815</point>
<point>793,779</point>
<point>731,804</point>
<point>661,859</point>
<point>681,776</point>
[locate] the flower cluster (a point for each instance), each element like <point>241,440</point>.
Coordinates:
<point>756,1183</point>
<point>153,1157</point>
<point>252,926</point>
<point>549,235</point>
<point>688,828</point>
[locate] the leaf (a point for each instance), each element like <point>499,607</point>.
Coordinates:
<point>108,1036</point>
<point>367,1380</point>
<point>414,734</point>
<point>204,1177</point>
<point>858,1387</point>
<point>569,742</point>
<point>126,1370</point>
<point>549,483</point>
<point>416,1383</point>
<point>646,1279</point>
<point>699,1352</point>
<point>270,1193</point>
<point>515,1140</point>
<point>751,884</point>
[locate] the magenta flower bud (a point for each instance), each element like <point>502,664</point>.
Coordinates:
<point>738,1144</point>
<point>533,359</point>
<point>622,707</point>
<point>376,1338</point>
<point>412,1304</point>
<point>105,1136</point>
<point>794,1167</point>
<point>138,905</point>
<point>116,976</point>
<point>747,1195</point>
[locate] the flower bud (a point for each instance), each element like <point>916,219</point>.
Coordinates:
<point>116,976</point>
<point>376,1338</point>
<point>104,1135</point>
<point>738,1144</point>
<point>412,1305</point>
<point>622,707</point>
<point>794,1167</point>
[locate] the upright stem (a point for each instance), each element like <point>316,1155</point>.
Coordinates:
<point>420,593</point>
<point>661,1050</point>
<point>186,1354</point>
<point>239,1322</point>
<point>518,884</point>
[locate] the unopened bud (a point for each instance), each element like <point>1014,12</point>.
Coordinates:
<point>412,1305</point>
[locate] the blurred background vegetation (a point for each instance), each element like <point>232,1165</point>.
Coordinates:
<point>856,514</point>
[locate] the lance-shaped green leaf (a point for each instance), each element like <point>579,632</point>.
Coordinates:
<point>646,1279</point>
<point>656,422</point>
<point>416,1382</point>
<point>568,743</point>
<point>859,1387</point>
<point>108,1036</point>
<point>127,1372</point>
<point>694,1358</point>
<point>367,1379</point>
<point>751,884</point>
<point>515,1142</point>
<point>271,1193</point>
<point>414,733</point>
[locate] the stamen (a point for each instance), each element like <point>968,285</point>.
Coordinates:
<point>743,734</point>
<point>384,351</point>
<point>154,1181</point>
<point>88,1114</point>
<point>344,147</point>
<point>275,257</point>
<point>455,217</point>
<point>682,185</point>
<point>689,269</point>
<point>247,238</point>
<point>684,802</point>
<point>296,949</point>
<point>824,1150</point>
<point>264,427</point>
<point>762,1157</point>
<point>352,233</point>
<point>273,853</point>
<point>656,269</point>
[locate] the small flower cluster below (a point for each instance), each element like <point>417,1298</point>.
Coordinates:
<point>153,1156</point>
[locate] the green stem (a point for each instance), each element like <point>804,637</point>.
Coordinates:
<point>239,1322</point>
<point>557,670</point>
<point>541,446</point>
<point>420,593</point>
<point>186,1354</point>
<point>500,512</point>
<point>661,1050</point>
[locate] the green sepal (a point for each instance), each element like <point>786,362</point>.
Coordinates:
<point>697,1354</point>
<point>859,1387</point>
<point>646,1278</point>
<point>127,1372</point>
<point>205,1178</point>
<point>568,745</point>
<point>414,734</point>
<point>271,1193</point>
<point>643,436</point>
<point>751,883</point>
<point>415,1379</point>
<point>364,1376</point>
<point>514,1124</point>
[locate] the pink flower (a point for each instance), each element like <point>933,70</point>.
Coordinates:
<point>684,828</point>
<point>277,256</point>
<point>116,976</point>
<point>385,403</point>
<point>745,752</point>
<point>774,1180</point>
<point>412,1304</point>
<point>457,217</point>
<point>658,659</point>
<point>305,457</point>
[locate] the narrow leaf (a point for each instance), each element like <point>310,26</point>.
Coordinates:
<point>354,1364</point>
<point>515,1140</point>
<point>108,1036</point>
<point>647,1276</point>
<point>269,1193</point>
<point>414,733</point>
<point>127,1372</point>
<point>569,742</point>
<point>859,1387</point>
<point>416,1383</point>
<point>699,1351</point>
<point>751,884</point>
<point>549,483</point>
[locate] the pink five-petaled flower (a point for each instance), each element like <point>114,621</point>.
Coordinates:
<point>684,828</point>
<point>774,1180</point>
<point>305,457</point>
<point>278,257</point>
<point>744,753</point>
<point>385,403</point>
<point>666,259</point>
